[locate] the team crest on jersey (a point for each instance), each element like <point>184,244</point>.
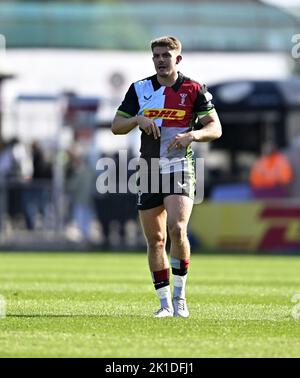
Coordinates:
<point>182,98</point>
<point>171,114</point>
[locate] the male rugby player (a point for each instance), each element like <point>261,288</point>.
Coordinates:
<point>165,107</point>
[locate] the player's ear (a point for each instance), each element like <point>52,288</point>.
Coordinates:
<point>178,59</point>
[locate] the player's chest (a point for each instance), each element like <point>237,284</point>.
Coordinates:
<point>167,98</point>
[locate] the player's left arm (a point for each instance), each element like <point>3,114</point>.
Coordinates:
<point>208,117</point>
<point>211,130</point>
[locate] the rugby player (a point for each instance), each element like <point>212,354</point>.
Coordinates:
<point>165,107</point>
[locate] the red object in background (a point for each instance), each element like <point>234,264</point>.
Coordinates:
<point>275,238</point>
<point>81,111</point>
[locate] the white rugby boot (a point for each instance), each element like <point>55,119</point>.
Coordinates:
<point>164,312</point>
<point>180,308</point>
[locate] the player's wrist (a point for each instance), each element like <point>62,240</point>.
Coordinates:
<point>192,136</point>
<point>136,120</point>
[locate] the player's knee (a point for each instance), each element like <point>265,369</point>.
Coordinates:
<point>156,241</point>
<point>177,231</point>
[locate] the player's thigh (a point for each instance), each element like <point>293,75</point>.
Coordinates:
<point>179,209</point>
<point>154,223</point>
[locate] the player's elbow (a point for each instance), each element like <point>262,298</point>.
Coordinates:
<point>115,128</point>
<point>217,126</point>
<point>120,126</point>
<point>217,131</point>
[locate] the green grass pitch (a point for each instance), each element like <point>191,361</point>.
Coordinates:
<point>101,305</point>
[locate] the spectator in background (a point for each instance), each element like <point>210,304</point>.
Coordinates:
<point>15,173</point>
<point>271,174</point>
<point>114,202</point>
<point>36,196</point>
<point>15,160</point>
<point>81,188</point>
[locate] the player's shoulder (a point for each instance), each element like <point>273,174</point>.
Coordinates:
<point>145,80</point>
<point>148,85</point>
<point>199,87</point>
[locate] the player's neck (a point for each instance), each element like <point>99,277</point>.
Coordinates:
<point>168,81</point>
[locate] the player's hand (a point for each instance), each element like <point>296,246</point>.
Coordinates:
<point>149,126</point>
<point>181,141</point>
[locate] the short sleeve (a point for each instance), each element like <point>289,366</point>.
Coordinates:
<point>130,105</point>
<point>203,105</point>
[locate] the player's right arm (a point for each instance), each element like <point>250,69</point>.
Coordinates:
<point>127,119</point>
<point>122,125</point>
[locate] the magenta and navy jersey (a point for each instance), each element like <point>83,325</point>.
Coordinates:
<point>174,109</point>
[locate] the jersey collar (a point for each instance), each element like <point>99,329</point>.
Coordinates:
<point>178,82</point>
<point>156,85</point>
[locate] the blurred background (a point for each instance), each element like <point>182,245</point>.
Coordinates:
<point>64,69</point>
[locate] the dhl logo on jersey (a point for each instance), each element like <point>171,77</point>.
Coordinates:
<point>171,114</point>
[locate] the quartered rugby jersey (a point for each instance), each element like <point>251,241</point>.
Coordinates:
<point>174,109</point>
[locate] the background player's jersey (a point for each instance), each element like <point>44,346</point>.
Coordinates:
<point>174,109</point>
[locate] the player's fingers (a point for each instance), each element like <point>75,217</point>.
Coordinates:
<point>157,130</point>
<point>148,130</point>
<point>154,130</point>
<point>172,144</point>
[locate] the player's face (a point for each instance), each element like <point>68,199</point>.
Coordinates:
<point>165,61</point>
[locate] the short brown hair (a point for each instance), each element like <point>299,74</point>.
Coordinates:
<point>167,41</point>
